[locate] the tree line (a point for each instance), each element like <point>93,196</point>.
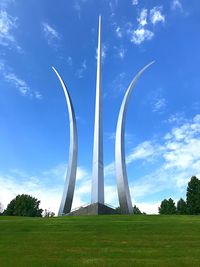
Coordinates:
<point>26,205</point>
<point>189,206</point>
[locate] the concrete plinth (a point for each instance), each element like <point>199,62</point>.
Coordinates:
<point>93,209</point>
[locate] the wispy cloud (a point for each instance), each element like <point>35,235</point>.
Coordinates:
<point>78,6</point>
<point>81,70</point>
<point>104,51</point>
<point>69,61</point>
<point>144,30</point>
<point>176,118</point>
<point>116,86</point>
<point>175,159</point>
<point>7,26</point>
<point>119,32</point>
<point>159,104</point>
<point>120,51</point>
<point>175,155</point>
<point>50,33</point>
<point>17,82</point>
<point>176,4</point>
<point>156,15</point>
<point>140,35</point>
<point>6,3</point>
<point>18,182</point>
<point>142,19</point>
<point>135,2</point>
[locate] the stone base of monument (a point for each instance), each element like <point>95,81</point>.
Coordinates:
<point>93,209</point>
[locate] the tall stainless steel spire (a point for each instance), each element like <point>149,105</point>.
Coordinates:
<point>97,172</point>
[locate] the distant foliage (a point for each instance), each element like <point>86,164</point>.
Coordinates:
<point>136,210</point>
<point>24,205</point>
<point>190,206</point>
<point>118,210</point>
<point>1,208</point>
<point>182,207</point>
<point>167,207</point>
<point>193,196</point>
<point>48,213</point>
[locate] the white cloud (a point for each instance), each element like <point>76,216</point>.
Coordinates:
<point>69,61</point>
<point>159,104</point>
<point>149,208</point>
<point>50,33</point>
<point>176,159</point>
<point>176,118</point>
<point>20,84</point>
<point>142,151</point>
<point>140,35</point>
<point>119,32</point>
<point>17,82</point>
<point>7,25</point>
<point>142,19</point>
<point>82,70</point>
<point>176,4</point>
<point>135,2</point>
<point>6,3</point>
<point>20,182</point>
<point>116,86</point>
<point>121,52</point>
<point>144,31</point>
<point>78,6</point>
<point>156,15</point>
<point>104,51</point>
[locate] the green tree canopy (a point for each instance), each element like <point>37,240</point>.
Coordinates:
<point>24,205</point>
<point>181,206</point>
<point>136,210</point>
<point>167,207</point>
<point>193,196</point>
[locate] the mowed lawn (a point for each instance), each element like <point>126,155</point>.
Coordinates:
<point>115,240</point>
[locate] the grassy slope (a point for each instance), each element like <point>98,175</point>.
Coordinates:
<point>100,241</point>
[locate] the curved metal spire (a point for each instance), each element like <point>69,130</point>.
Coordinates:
<point>68,193</point>
<point>121,174</point>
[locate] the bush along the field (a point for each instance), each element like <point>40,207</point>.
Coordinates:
<point>136,210</point>
<point>190,206</point>
<point>24,205</point>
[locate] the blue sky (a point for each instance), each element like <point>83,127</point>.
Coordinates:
<point>163,117</point>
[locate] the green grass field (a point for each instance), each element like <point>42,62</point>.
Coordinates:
<point>100,241</point>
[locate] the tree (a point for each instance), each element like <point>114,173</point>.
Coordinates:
<point>24,205</point>
<point>118,210</point>
<point>181,207</point>
<point>193,196</point>
<point>48,213</point>
<point>167,207</point>
<point>1,208</point>
<point>136,210</point>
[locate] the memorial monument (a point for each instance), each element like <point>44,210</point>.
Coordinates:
<point>97,205</point>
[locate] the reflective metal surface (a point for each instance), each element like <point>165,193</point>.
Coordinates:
<point>121,173</point>
<point>68,193</point>
<point>97,171</point>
